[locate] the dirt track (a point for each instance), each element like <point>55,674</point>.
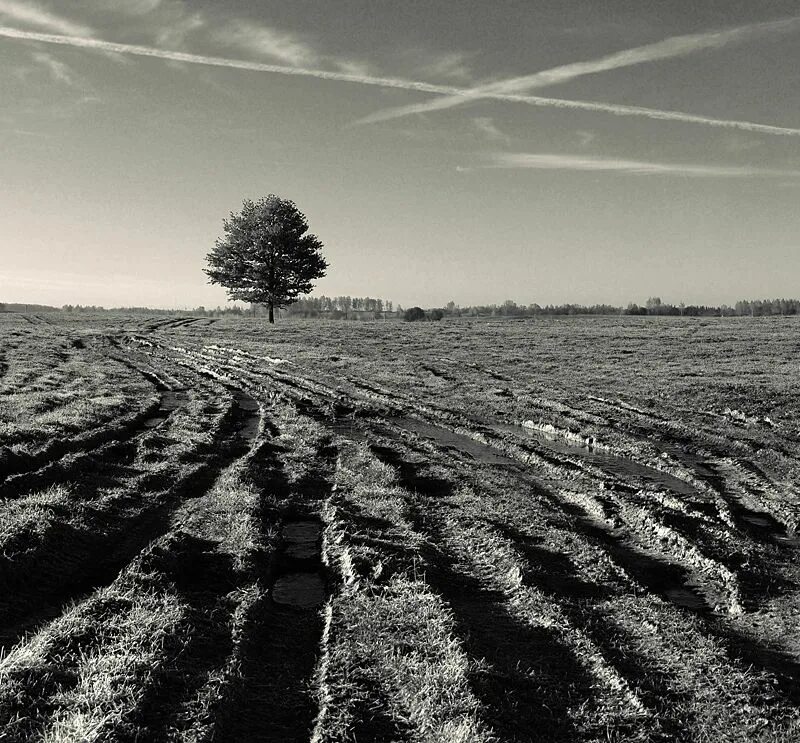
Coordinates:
<point>320,555</point>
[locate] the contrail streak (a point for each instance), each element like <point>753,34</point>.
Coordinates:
<point>387,82</point>
<point>675,46</point>
<point>538,161</point>
<point>148,51</point>
<point>651,113</point>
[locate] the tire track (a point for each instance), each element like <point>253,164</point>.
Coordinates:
<point>76,563</point>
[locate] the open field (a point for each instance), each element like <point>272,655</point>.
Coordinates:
<point>552,530</point>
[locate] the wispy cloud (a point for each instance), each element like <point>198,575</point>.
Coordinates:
<point>675,46</point>
<point>29,133</point>
<point>538,161</point>
<point>450,65</point>
<point>57,69</point>
<point>486,126</point>
<point>177,30</point>
<point>134,7</point>
<point>84,42</point>
<point>266,41</point>
<point>34,15</point>
<point>282,46</point>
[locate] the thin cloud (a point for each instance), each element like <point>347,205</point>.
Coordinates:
<point>266,41</point>
<point>676,46</point>
<point>176,32</point>
<point>58,70</point>
<point>451,66</point>
<point>29,13</point>
<point>486,126</point>
<point>386,82</point>
<point>282,46</point>
<point>134,7</point>
<point>29,133</point>
<point>535,161</point>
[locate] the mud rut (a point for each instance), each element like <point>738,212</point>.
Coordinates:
<point>75,563</point>
<point>408,433</point>
<point>530,678</point>
<point>271,699</point>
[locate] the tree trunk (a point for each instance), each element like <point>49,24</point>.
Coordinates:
<point>271,313</point>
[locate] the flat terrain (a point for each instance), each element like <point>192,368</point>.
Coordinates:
<point>543,530</point>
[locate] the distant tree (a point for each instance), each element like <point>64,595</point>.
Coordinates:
<point>2,306</point>
<point>654,306</point>
<point>436,314</point>
<point>412,314</point>
<point>267,255</point>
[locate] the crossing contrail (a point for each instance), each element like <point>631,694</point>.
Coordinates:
<point>674,46</point>
<point>90,43</point>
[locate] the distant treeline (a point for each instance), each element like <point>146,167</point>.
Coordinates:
<point>339,307</point>
<point>653,306</point>
<point>367,308</point>
<point>18,307</point>
<point>333,307</point>
<point>196,311</point>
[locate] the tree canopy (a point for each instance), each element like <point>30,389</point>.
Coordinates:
<point>267,255</point>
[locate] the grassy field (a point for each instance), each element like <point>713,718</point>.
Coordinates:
<point>547,530</point>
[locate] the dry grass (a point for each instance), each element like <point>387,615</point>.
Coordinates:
<point>469,601</point>
<point>390,651</point>
<point>53,390</point>
<point>75,678</point>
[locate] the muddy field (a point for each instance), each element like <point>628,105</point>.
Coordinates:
<point>550,530</point>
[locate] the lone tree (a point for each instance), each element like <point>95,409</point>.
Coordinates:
<point>267,255</point>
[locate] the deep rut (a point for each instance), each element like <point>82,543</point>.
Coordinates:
<point>272,700</point>
<point>77,563</point>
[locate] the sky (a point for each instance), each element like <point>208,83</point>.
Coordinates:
<point>550,151</point>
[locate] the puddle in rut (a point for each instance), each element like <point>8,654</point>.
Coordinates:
<point>447,439</point>
<point>303,590</point>
<point>611,463</point>
<point>663,578</point>
<point>762,526</point>
<point>249,414</point>
<point>170,400</point>
<point>302,585</point>
<point>347,429</point>
<point>759,525</point>
<point>301,539</point>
